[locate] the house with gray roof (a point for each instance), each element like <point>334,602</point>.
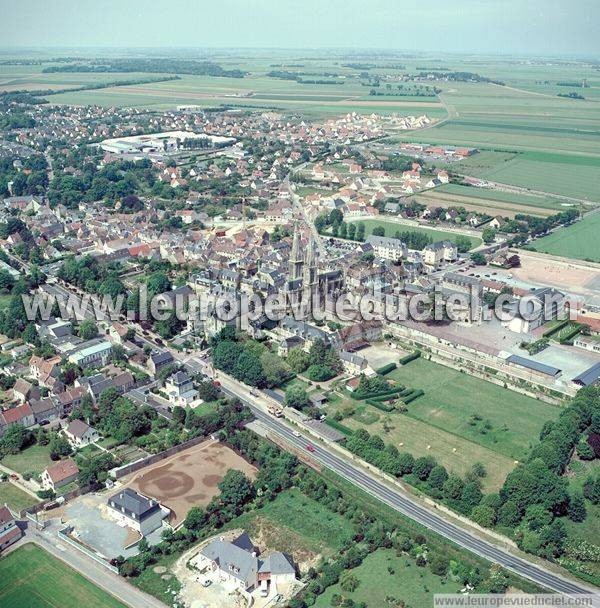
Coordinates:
<point>237,564</point>
<point>137,511</point>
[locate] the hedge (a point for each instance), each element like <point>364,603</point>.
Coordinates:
<point>373,395</point>
<point>386,369</point>
<point>380,405</point>
<point>338,426</point>
<point>408,358</point>
<point>570,335</point>
<point>413,396</point>
<point>553,330</point>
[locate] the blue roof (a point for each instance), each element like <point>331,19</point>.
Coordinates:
<point>536,366</point>
<point>589,376</point>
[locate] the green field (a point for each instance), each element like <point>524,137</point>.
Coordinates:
<point>451,397</point>
<point>295,523</point>
<point>14,497</point>
<point>33,460</point>
<point>32,578</point>
<point>383,575</point>
<point>392,227</point>
<point>459,420</point>
<point>496,197</point>
<point>578,241</point>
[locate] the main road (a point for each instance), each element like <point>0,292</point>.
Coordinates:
<point>407,505</point>
<point>398,500</point>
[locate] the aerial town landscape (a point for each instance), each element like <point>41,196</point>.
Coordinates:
<point>306,326</point>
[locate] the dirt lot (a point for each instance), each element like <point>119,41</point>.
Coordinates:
<point>552,272</point>
<point>188,478</point>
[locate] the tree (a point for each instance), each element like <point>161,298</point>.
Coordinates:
<point>378,231</point>
<point>249,370</point>
<point>195,519</point>
<point>296,397</point>
<point>488,235</point>
<point>298,360</point>
<point>509,514</point>
<point>236,490</point>
<point>87,330</point>
<point>483,515</point>
<point>406,462</point>
<point>360,232</point>
<point>453,487</point>
<point>349,583</point>
<point>207,391</point>
<point>478,258</point>
<point>585,451</point>
<point>59,446</point>
<point>463,243</point>
<point>437,477</point>
<point>423,467</point>
<point>591,488</point>
<point>576,510</point>
<point>15,438</point>
<point>471,495</point>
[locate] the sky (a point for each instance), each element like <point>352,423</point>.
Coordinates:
<point>534,27</point>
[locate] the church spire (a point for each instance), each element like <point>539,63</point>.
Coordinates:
<point>296,258</point>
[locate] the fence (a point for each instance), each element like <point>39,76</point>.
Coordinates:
<point>64,534</point>
<point>146,462</point>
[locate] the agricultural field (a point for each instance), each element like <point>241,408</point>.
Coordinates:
<point>578,241</point>
<point>14,497</point>
<point>32,578</point>
<point>437,235</point>
<point>492,202</point>
<point>384,575</point>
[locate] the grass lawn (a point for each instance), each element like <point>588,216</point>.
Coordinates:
<point>459,420</point>
<point>32,578</point>
<point>578,241</point>
<point>383,575</point>
<point>14,497</point>
<point>452,398</point>
<point>294,523</point>
<point>153,583</point>
<point>437,235</point>
<point>34,459</point>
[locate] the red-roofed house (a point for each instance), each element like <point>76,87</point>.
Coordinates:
<point>9,531</point>
<point>59,474</point>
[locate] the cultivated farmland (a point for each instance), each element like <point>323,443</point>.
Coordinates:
<point>578,241</point>
<point>32,578</point>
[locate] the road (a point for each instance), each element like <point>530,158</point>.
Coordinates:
<point>407,505</point>
<point>403,502</point>
<point>110,582</point>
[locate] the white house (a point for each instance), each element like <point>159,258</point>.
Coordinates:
<point>180,389</point>
<point>81,434</point>
<point>137,511</point>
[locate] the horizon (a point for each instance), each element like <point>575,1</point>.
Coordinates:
<point>541,28</point>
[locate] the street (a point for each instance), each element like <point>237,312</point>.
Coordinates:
<point>405,504</point>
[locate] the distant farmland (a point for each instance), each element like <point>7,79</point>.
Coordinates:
<point>578,241</point>
<point>492,202</point>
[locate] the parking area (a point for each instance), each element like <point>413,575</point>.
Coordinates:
<point>96,527</point>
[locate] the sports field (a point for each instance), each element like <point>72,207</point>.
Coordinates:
<point>392,227</point>
<point>578,241</point>
<point>189,478</point>
<point>32,578</point>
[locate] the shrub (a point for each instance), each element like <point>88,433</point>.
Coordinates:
<point>411,357</point>
<point>386,369</point>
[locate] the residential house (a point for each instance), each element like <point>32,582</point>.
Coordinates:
<point>238,563</point>
<point>137,511</point>
<point>93,353</point>
<point>59,474</point>
<point>387,248</point>
<point>80,433</point>
<point>10,532</point>
<point>180,389</point>
<point>442,251</point>
<point>158,360</point>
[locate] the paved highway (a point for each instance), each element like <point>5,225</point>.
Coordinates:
<point>406,505</point>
